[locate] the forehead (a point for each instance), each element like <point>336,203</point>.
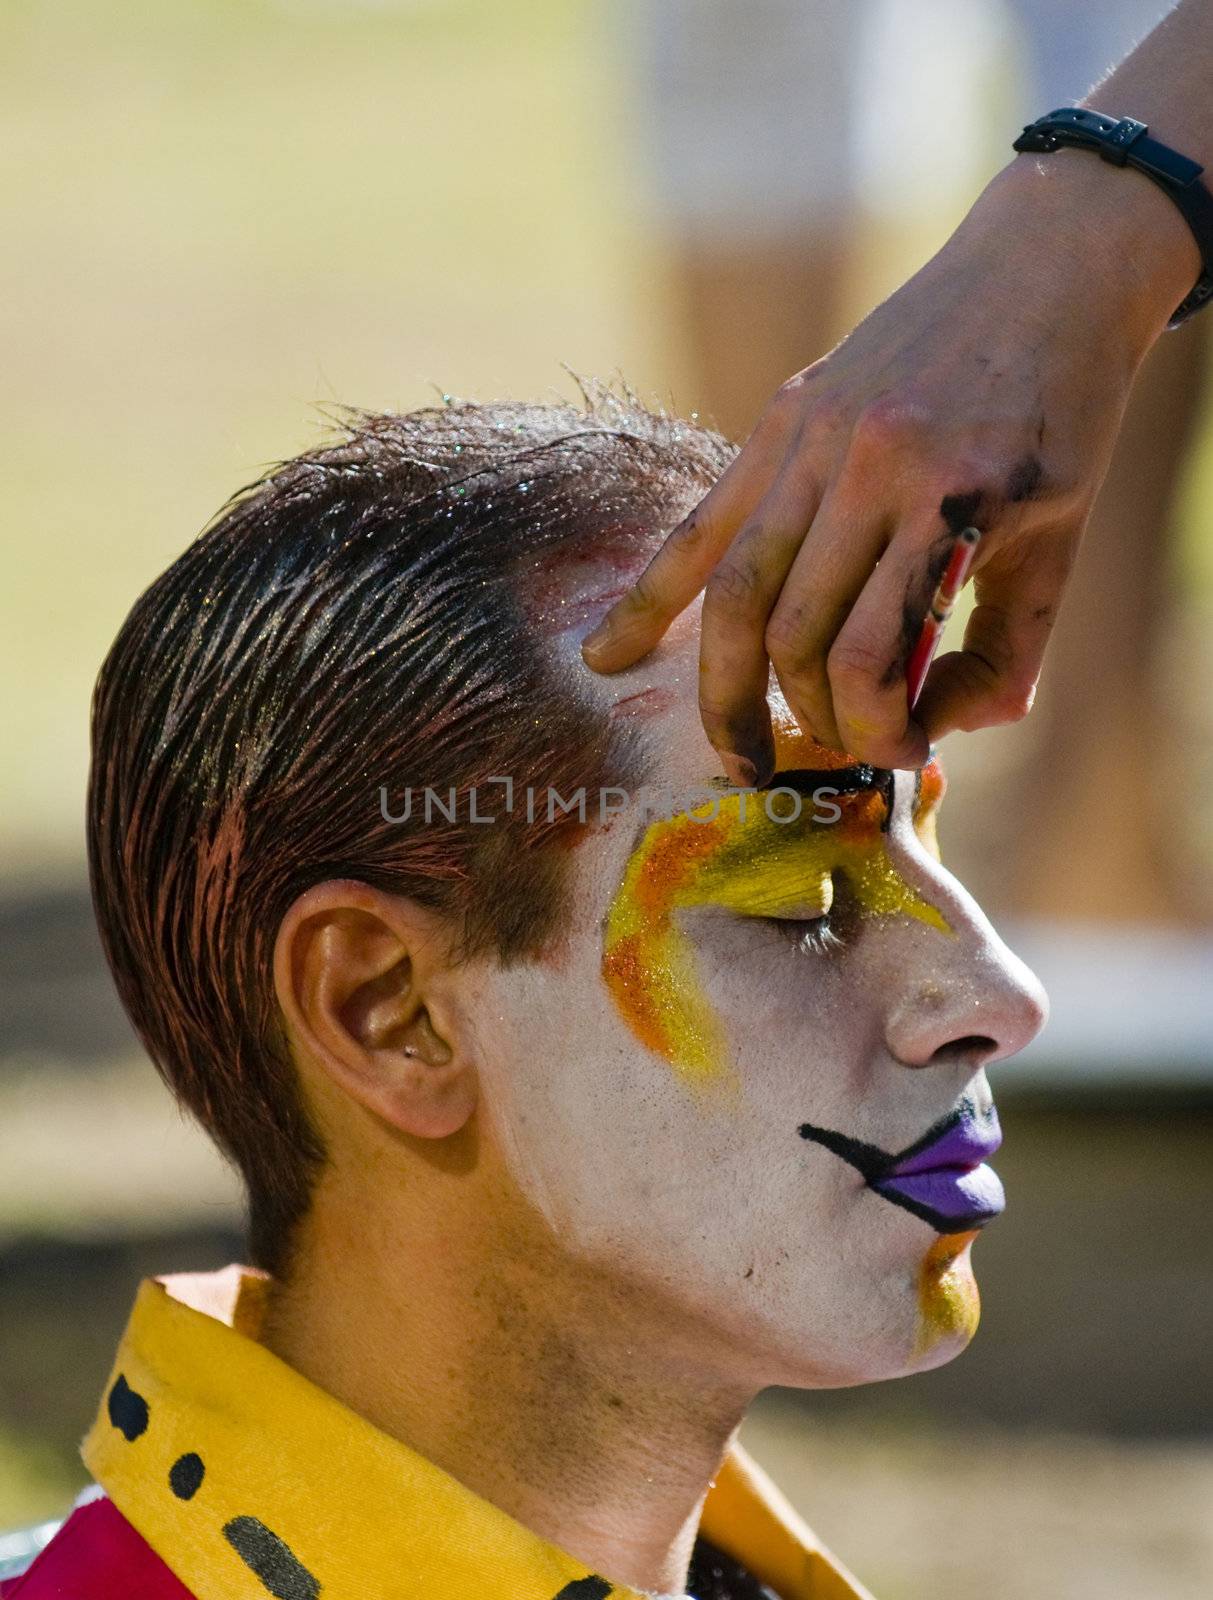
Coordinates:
<point>659,697</point>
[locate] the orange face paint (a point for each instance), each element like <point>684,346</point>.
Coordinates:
<point>948,1300</point>
<point>932,786</point>
<point>753,859</point>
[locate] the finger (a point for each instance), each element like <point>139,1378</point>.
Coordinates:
<point>867,661</point>
<point>992,678</point>
<point>741,593</point>
<point>834,562</point>
<point>682,565</point>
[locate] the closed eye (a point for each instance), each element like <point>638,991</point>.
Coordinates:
<point>813,936</point>
<point>829,933</point>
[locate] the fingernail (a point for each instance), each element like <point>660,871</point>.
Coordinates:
<point>739,770</point>
<point>596,638</point>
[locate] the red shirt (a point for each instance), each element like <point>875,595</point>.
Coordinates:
<point>96,1555</point>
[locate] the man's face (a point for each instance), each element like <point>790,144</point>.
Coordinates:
<point>751,1081</point>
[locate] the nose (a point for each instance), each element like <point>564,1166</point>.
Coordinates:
<point>961,998</point>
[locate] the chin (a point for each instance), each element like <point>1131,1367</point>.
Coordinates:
<point>916,1318</point>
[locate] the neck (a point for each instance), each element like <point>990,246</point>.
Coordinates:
<point>546,1391</point>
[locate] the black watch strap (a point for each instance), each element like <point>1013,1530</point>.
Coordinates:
<point>1127,143</point>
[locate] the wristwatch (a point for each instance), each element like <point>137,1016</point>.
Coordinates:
<point>1125,143</point>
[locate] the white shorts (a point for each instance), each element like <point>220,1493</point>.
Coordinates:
<point>772,112</point>
<point>742,102</point>
<point>1069,45</point>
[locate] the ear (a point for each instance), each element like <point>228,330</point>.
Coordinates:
<point>359,975</point>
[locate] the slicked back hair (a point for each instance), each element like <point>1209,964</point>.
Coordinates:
<point>352,621</point>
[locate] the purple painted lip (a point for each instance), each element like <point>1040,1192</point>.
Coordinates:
<point>942,1177</point>
<point>965,1144</point>
<point>948,1177</point>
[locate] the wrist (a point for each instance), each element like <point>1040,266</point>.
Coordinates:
<point>1108,236</point>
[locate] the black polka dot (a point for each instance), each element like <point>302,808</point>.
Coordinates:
<point>185,1476</point>
<point>128,1410</point>
<point>271,1558</point>
<point>715,1576</point>
<point>591,1588</point>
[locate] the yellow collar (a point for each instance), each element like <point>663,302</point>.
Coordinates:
<point>248,1480</point>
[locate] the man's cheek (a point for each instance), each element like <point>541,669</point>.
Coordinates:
<point>748,973</point>
<point>717,995</point>
<point>776,1007</point>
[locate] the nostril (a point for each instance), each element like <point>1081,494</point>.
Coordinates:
<point>970,1050</point>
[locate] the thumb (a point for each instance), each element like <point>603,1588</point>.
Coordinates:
<point>992,678</point>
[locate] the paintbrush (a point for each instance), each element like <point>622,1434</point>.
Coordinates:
<point>950,585</point>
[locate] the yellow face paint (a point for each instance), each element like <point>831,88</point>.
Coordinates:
<point>752,859</point>
<point>948,1301</point>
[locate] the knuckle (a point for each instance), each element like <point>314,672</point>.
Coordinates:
<point>813,711</point>
<point>828,414</point>
<point>641,600</point>
<point>717,718</point>
<point>1012,702</point>
<point>735,585</point>
<point>999,695</point>
<point>712,708</point>
<point>891,424</point>
<point>790,398</point>
<point>857,661</point>
<point>692,532</point>
<point>788,644</point>
<point>798,632</point>
<point>966,468</point>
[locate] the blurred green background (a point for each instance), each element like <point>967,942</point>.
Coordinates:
<point>221,217</point>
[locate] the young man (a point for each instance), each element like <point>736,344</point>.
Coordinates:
<point>578,1097</point>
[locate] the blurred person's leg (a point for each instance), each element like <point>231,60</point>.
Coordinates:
<point>1105,840</point>
<point>748,118</point>
<point>1108,838</point>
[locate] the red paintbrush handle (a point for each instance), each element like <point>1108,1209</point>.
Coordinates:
<point>950,585</point>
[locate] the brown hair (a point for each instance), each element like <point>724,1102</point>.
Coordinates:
<point>352,621</point>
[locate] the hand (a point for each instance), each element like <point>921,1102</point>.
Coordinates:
<point>988,390</point>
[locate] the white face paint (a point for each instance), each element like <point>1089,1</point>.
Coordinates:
<point>651,1086</point>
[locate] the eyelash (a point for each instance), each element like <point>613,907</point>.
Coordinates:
<point>813,937</point>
